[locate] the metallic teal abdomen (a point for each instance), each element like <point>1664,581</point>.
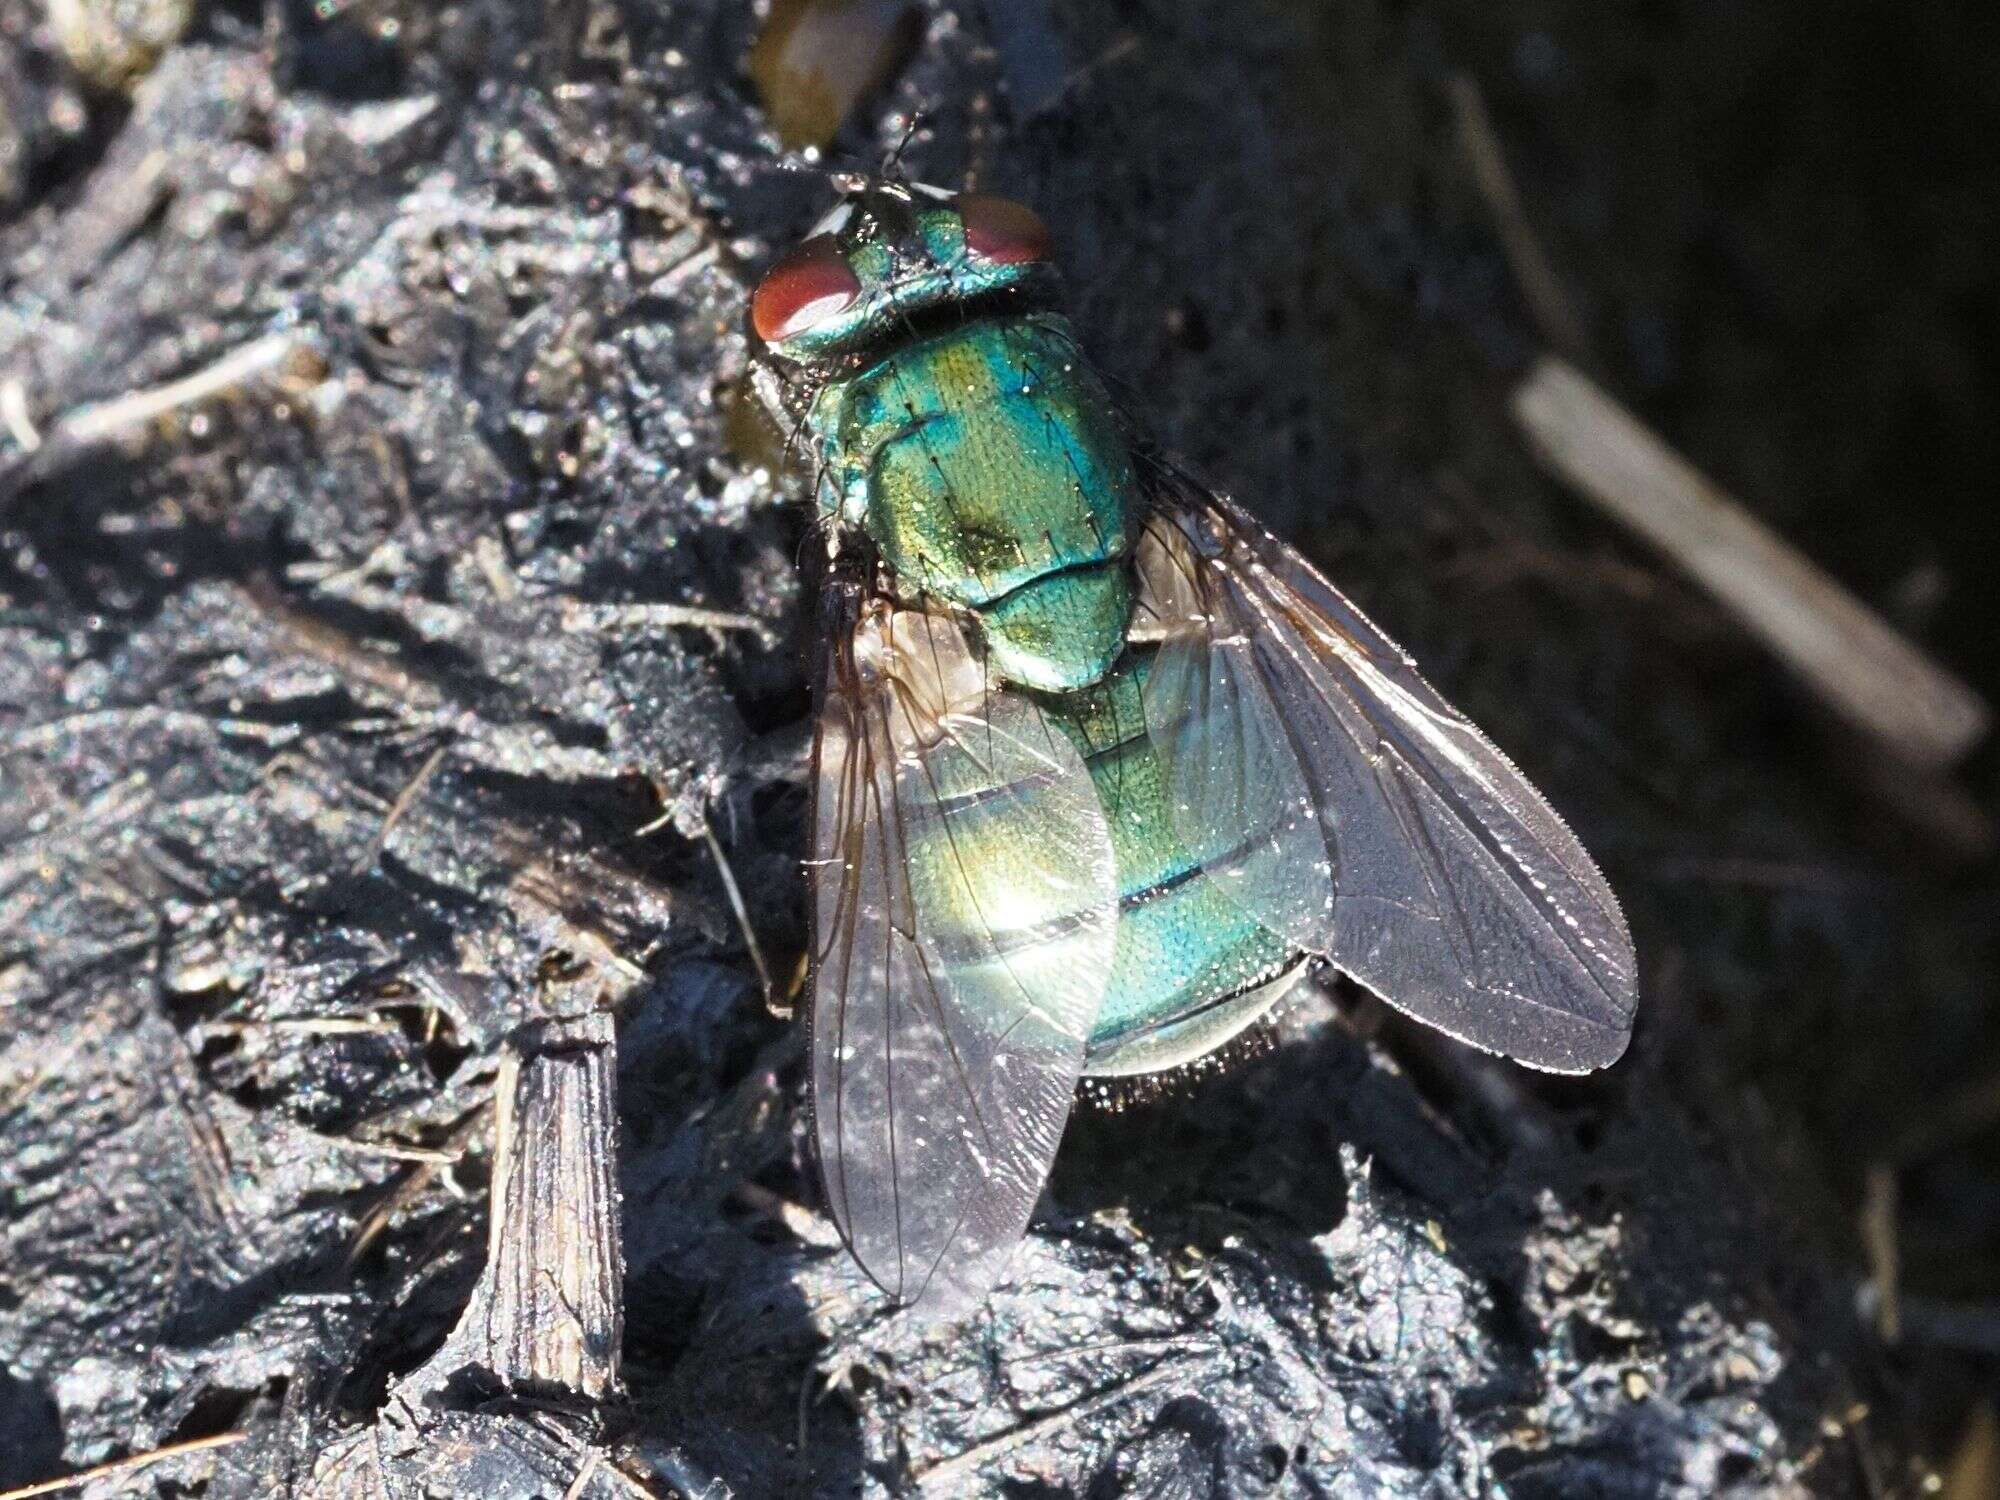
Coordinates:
<point>1190,967</point>
<point>987,464</point>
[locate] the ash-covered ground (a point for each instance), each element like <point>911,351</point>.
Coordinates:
<point>371,375</point>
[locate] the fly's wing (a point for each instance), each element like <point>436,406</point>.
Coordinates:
<point>1371,822</point>
<point>965,906</point>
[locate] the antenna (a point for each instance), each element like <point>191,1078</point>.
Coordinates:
<point>892,164</point>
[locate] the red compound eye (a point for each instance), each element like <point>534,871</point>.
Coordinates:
<point>1001,230</point>
<point>811,284</point>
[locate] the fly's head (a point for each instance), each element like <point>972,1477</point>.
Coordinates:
<point>888,258</point>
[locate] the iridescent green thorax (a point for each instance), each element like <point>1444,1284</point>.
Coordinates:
<point>987,465</point>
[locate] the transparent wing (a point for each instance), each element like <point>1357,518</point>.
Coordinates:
<point>1378,827</point>
<point>965,907</point>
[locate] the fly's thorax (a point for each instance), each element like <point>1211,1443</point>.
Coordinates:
<point>987,464</point>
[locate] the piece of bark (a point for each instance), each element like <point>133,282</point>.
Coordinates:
<point>547,1315</point>
<point>515,1396</point>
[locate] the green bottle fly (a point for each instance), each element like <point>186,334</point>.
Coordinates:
<point>1102,768</point>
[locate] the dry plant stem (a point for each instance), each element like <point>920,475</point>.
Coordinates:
<point>1849,656</point>
<point>582,1480</point>
<point>545,1320</point>
<point>19,421</point>
<point>1975,1466</point>
<point>736,904</point>
<point>412,1186</point>
<point>122,417</point>
<point>1555,315</point>
<point>1878,1234</point>
<point>126,1465</point>
<point>645,617</point>
<point>108,419</point>
<point>401,805</point>
<point>548,1310</point>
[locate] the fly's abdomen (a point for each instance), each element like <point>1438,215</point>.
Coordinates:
<point>1007,932</point>
<point>1189,969</point>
